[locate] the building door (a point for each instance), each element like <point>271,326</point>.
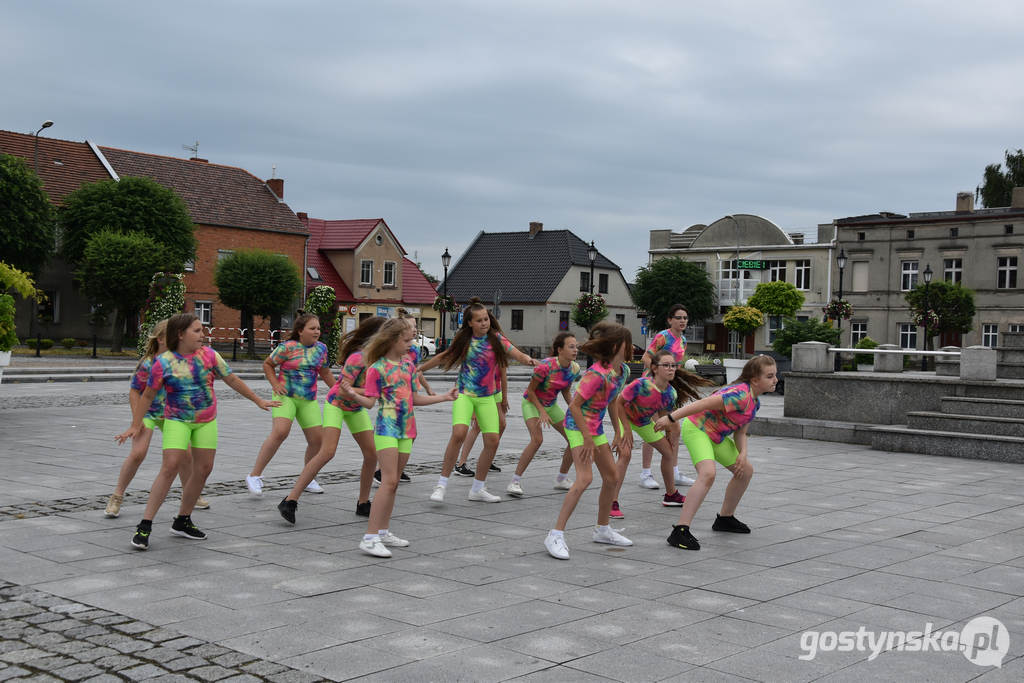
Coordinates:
<point>950,339</point>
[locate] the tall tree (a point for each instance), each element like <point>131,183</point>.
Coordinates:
<point>128,205</point>
<point>997,185</point>
<point>27,218</point>
<point>674,281</point>
<point>257,282</point>
<point>950,308</point>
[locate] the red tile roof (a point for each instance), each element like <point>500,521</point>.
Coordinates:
<point>318,259</point>
<point>214,194</point>
<point>64,166</point>
<point>349,234</point>
<point>416,288</point>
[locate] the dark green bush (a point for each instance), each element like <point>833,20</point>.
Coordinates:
<point>44,344</point>
<point>67,342</point>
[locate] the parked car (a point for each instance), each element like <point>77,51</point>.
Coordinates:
<point>426,345</point>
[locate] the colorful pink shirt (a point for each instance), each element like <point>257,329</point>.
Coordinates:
<point>666,340</point>
<point>642,400</point>
<point>739,409</point>
<point>189,383</point>
<point>478,375</point>
<point>354,372</point>
<point>598,387</point>
<point>298,366</point>
<point>392,384</point>
<point>139,380</point>
<point>552,379</point>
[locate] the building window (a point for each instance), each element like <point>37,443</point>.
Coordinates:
<point>953,270</point>
<point>776,271</point>
<point>1008,229</point>
<point>703,265</point>
<point>1016,327</point>
<point>802,271</point>
<point>366,272</point>
<point>602,283</point>
<point>857,332</point>
<point>861,236</point>
<point>727,270</point>
<point>224,253</point>
<point>954,232</point>
<point>204,311</point>
<point>190,266</point>
<point>313,273</point>
<point>378,239</point>
<point>563,321</point>
<point>774,325</point>
<point>859,279</point>
<point>48,311</point>
<point>990,335</point>
<point>1006,272</point>
<point>517,318</point>
<point>390,269</point>
<point>584,281</point>
<point>620,318</point>
<point>908,275</point>
<point>910,234</point>
<point>908,336</point>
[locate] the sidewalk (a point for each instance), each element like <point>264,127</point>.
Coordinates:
<point>843,538</point>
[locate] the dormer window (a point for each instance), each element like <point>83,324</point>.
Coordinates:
<point>312,272</point>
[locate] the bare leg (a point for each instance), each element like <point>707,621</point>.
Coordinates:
<point>328,446</point>
<point>451,452</point>
<point>140,446</point>
<point>202,465</point>
<point>567,455</point>
<point>483,463</point>
<point>278,433</point>
<point>695,496</point>
<point>736,488</point>
<point>668,463</point>
<point>584,475</point>
<point>467,446</point>
<point>172,458</point>
<point>646,456</point>
<point>314,435</point>
<point>185,470</point>
<point>621,465</point>
<point>536,439</point>
<point>365,441</point>
<point>391,462</point>
<point>609,482</point>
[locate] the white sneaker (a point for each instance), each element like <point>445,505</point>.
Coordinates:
<point>610,536</point>
<point>438,495</point>
<point>484,496</point>
<point>373,546</point>
<point>394,541</point>
<point>556,547</point>
<point>563,485</point>
<point>254,484</point>
<point>514,489</point>
<point>647,481</point>
<point>313,487</point>
<point>683,480</point>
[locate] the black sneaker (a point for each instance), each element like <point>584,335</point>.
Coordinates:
<point>287,509</point>
<point>376,478</point>
<point>682,538</point>
<point>729,523</point>
<point>141,538</point>
<point>183,526</point>
<point>362,509</point>
<point>464,471</point>
<point>404,479</point>
<point>495,468</point>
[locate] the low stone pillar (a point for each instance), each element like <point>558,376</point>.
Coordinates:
<point>978,363</point>
<point>812,356</point>
<point>888,362</point>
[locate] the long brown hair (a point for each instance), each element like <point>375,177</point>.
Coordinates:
<point>389,333</point>
<point>176,324</point>
<point>357,338</point>
<point>606,339</point>
<point>754,368</point>
<point>684,382</point>
<point>300,324</point>
<point>456,353</point>
<point>559,342</point>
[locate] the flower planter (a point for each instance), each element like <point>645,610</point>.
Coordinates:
<point>5,360</point>
<point>733,368</point>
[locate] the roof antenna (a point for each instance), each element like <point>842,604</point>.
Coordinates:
<point>192,148</point>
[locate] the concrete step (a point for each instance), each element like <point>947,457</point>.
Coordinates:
<point>71,369</point>
<point>1010,370</point>
<point>1009,391</point>
<point>966,424</point>
<point>1009,355</point>
<point>989,407</point>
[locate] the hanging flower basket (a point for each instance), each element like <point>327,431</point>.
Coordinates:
<point>589,309</point>
<point>445,304</point>
<point>928,319</point>
<point>838,309</point>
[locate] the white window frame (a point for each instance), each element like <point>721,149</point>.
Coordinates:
<point>990,335</point>
<point>393,280</point>
<point>224,253</point>
<point>1015,327</point>
<point>1006,272</point>
<point>774,325</point>
<point>908,275</point>
<point>362,271</point>
<point>189,266</point>
<point>907,335</point>
<point>802,274</point>
<point>776,271</point>
<point>953,269</point>
<point>204,307</point>
<point>858,330</point>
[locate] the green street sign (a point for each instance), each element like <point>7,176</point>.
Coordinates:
<point>746,264</point>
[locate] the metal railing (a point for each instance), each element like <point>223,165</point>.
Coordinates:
<point>903,352</point>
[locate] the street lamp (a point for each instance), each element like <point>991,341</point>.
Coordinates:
<point>592,255</point>
<point>924,318</point>
<point>841,262</point>
<point>35,168</point>
<point>446,260</point>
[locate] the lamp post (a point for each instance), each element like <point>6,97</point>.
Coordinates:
<point>592,255</point>
<point>446,260</point>
<point>35,168</point>
<point>924,318</point>
<point>841,262</point>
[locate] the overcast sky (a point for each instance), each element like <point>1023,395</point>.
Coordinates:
<point>607,118</point>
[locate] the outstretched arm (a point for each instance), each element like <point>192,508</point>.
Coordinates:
<point>236,383</point>
<point>346,390</point>
<point>713,402</point>
<point>139,403</point>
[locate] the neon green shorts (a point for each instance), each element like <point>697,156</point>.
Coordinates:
<point>305,411</point>
<point>356,420</point>
<point>554,411</point>
<point>153,423</point>
<point>647,432</point>
<point>498,396</point>
<point>701,446</point>
<point>576,438</point>
<point>385,442</point>
<point>484,408</point>
<point>178,435</point>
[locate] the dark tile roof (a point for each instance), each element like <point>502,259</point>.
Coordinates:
<point>214,194</point>
<point>525,269</point>
<point>64,166</point>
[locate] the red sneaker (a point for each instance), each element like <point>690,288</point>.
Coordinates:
<point>616,512</point>
<point>674,501</point>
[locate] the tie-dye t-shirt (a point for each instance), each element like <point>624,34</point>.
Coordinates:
<point>668,341</point>
<point>478,375</point>
<point>392,384</point>
<point>139,380</point>
<point>189,383</point>
<point>642,400</point>
<point>552,378</point>
<point>353,372</point>
<point>297,367</point>
<point>598,387</point>
<point>739,409</point>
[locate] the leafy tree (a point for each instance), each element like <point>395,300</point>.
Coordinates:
<point>128,205</point>
<point>434,282</point>
<point>997,185</point>
<point>777,298</point>
<point>796,331</point>
<point>950,308</point>
<point>743,319</point>
<point>115,270</point>
<point>671,281</point>
<point>322,302</point>
<point>27,219</point>
<point>22,283</point>
<point>257,282</point>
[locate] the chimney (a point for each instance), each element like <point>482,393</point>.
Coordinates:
<point>1017,198</point>
<point>535,228</point>
<point>797,237</point>
<point>202,161</point>
<point>276,186</point>
<point>964,202</point>
<point>302,216</point>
